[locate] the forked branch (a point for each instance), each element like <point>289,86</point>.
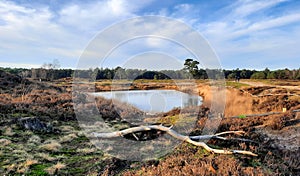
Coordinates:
<point>189,139</point>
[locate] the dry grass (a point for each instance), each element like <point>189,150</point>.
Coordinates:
<point>34,139</point>
<point>68,138</point>
<point>297,115</point>
<point>55,168</point>
<point>67,129</point>
<point>8,131</point>
<point>23,167</point>
<point>236,102</point>
<point>294,98</point>
<point>28,133</point>
<point>46,156</point>
<point>10,167</point>
<point>20,152</point>
<point>30,162</point>
<point>241,102</point>
<point>4,142</point>
<point>51,146</point>
<point>86,150</point>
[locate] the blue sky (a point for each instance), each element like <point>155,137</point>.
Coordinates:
<point>252,34</point>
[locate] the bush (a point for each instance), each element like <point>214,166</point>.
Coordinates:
<point>258,75</point>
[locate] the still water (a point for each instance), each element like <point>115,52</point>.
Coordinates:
<point>153,101</point>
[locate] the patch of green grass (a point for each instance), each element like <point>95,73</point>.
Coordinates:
<point>201,153</point>
<point>242,116</point>
<point>236,85</point>
<point>6,137</point>
<point>169,120</point>
<point>38,169</point>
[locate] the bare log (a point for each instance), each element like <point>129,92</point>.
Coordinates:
<point>170,131</point>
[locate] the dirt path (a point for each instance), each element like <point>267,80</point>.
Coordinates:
<point>254,83</point>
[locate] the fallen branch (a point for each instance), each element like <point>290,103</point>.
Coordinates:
<point>218,136</point>
<point>189,139</point>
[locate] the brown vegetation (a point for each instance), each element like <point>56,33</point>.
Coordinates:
<point>275,138</point>
<point>244,101</point>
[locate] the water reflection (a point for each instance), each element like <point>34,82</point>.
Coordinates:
<point>154,101</point>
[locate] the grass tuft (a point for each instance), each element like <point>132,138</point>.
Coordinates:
<point>46,156</point>
<point>8,132</point>
<point>68,138</point>
<point>55,168</point>
<point>51,146</point>
<point>4,142</point>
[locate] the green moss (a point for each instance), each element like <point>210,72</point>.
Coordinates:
<point>39,169</point>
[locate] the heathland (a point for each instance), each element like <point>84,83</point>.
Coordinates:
<point>40,135</point>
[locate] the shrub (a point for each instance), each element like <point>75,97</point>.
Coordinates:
<point>258,75</point>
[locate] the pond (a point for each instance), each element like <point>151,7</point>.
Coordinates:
<point>153,101</point>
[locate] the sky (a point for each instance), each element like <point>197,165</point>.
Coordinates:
<point>251,34</point>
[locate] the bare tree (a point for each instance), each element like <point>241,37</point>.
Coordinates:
<point>48,69</point>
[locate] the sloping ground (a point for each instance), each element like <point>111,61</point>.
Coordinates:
<point>277,147</point>
<point>8,81</point>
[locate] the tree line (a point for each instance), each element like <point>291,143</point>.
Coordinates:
<point>190,70</point>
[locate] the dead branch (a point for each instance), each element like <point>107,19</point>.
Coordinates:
<point>189,139</point>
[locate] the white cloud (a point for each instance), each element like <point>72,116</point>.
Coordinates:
<point>33,28</point>
<point>153,61</point>
<point>37,33</point>
<point>241,35</point>
<point>19,65</point>
<point>99,14</point>
<point>236,24</point>
<point>276,22</point>
<point>244,8</point>
<point>140,35</point>
<point>94,15</point>
<point>6,6</point>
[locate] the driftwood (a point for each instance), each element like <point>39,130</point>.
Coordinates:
<point>189,139</point>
